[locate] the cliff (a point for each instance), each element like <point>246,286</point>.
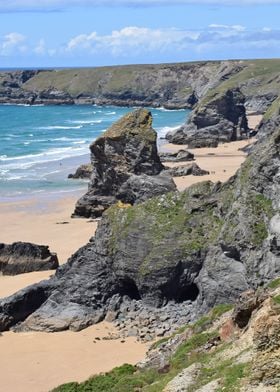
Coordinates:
<point>171,85</point>
<point>181,252</point>
<point>216,353</point>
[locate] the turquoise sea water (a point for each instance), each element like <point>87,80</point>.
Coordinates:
<point>41,145</point>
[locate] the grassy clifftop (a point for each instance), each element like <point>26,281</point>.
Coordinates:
<point>171,85</point>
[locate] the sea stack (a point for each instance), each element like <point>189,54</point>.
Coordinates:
<point>219,118</point>
<point>126,166</point>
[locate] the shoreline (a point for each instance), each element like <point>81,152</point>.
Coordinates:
<point>38,361</point>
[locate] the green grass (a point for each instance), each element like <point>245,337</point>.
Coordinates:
<point>274,284</point>
<point>188,217</point>
<point>200,325</point>
<point>276,299</point>
<point>127,378</point>
<point>262,212</point>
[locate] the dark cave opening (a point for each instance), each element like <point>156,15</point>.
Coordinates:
<point>187,293</point>
<point>180,292</point>
<point>128,287</point>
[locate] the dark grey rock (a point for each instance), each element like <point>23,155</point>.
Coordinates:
<point>22,257</point>
<point>180,156</point>
<point>186,170</point>
<point>178,254</point>
<point>83,172</point>
<point>219,119</point>
<point>127,150</point>
<point>141,188</point>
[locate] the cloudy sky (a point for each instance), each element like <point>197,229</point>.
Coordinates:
<point>58,33</point>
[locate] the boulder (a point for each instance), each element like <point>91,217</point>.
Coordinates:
<point>180,156</point>
<point>83,172</point>
<point>186,170</point>
<point>221,118</point>
<point>125,150</point>
<point>22,257</point>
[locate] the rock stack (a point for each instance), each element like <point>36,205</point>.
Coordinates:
<point>221,118</point>
<point>126,166</point>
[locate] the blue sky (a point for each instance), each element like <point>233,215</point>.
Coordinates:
<point>57,33</point>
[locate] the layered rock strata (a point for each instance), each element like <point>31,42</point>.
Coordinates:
<point>221,119</point>
<point>22,257</point>
<point>201,247</point>
<point>126,166</point>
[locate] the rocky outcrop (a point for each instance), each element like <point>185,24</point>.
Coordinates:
<point>199,248</point>
<point>201,358</point>
<point>179,156</point>
<point>222,118</point>
<point>173,86</point>
<point>22,257</point>
<point>186,170</point>
<point>125,165</point>
<point>83,172</point>
<point>12,90</point>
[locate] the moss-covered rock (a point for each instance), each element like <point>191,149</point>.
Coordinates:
<point>125,165</point>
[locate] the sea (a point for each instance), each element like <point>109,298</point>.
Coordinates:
<point>41,145</point>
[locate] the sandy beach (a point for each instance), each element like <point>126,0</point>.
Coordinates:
<point>37,362</point>
<point>222,162</point>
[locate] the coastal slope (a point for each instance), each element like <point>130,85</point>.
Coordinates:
<point>178,85</point>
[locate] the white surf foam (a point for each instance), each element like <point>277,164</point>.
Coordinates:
<point>164,130</point>
<point>61,127</point>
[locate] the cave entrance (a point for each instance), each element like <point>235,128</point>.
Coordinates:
<point>128,287</point>
<point>187,293</point>
<point>179,292</point>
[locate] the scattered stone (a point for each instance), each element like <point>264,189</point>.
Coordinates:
<point>184,380</point>
<point>22,257</point>
<point>186,170</point>
<point>180,156</point>
<point>83,172</point>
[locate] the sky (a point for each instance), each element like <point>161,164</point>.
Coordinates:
<point>70,33</point>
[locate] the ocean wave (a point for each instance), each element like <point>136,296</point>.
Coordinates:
<point>164,130</point>
<point>56,154</point>
<point>61,127</point>
<point>85,121</point>
<point>162,109</point>
<point>80,142</point>
<point>110,113</point>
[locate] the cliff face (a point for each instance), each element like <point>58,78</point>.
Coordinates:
<point>126,166</point>
<point>194,249</point>
<point>222,119</point>
<point>170,85</point>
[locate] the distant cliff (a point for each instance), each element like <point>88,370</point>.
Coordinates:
<point>170,85</point>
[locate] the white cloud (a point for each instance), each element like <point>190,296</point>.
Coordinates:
<point>132,37</point>
<point>51,5</point>
<point>227,27</point>
<point>41,47</point>
<point>12,42</point>
<point>134,42</point>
